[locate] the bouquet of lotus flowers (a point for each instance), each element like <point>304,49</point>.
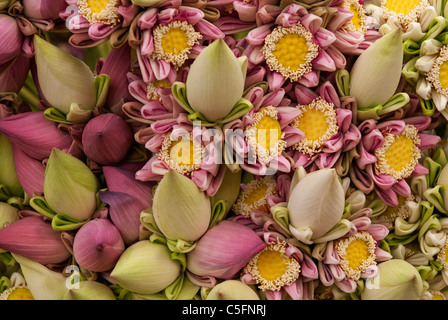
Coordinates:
<point>223,150</point>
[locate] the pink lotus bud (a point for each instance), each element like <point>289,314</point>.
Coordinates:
<point>13,79</point>
<point>30,172</point>
<point>224,250</point>
<point>43,9</point>
<point>34,134</point>
<point>98,245</point>
<point>11,39</point>
<point>106,139</point>
<point>34,238</point>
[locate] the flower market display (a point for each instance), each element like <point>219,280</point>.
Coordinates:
<point>223,150</point>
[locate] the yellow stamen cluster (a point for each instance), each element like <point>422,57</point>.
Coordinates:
<point>265,135</point>
<point>173,41</point>
<point>442,257</point>
<point>318,122</point>
<point>359,21</point>
<point>438,75</point>
<point>436,295</point>
<point>183,155</point>
<point>151,89</point>
<point>356,253</point>
<point>254,196</point>
<point>104,11</point>
<point>290,51</point>
<point>17,293</point>
<point>405,12</point>
<point>400,211</point>
<point>399,154</point>
<point>272,269</point>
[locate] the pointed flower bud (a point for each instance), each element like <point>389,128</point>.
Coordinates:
<point>224,250</point>
<point>8,174</point>
<point>316,204</point>
<point>8,214</point>
<point>90,290</point>
<point>145,268</point>
<point>30,172</point>
<point>396,280</point>
<point>43,9</point>
<point>70,187</point>
<point>11,39</point>
<point>98,245</point>
<point>64,79</point>
<point>34,238</point>
<point>232,290</point>
<point>376,73</point>
<point>106,139</point>
<point>180,209</point>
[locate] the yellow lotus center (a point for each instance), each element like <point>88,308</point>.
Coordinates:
<point>182,152</point>
<point>272,265</point>
<point>256,195</point>
<point>400,153</point>
<point>400,6</point>
<point>291,51</point>
<point>356,20</point>
<point>437,297</point>
<point>443,75</point>
<point>103,11</point>
<point>97,6</point>
<point>391,213</point>
<point>20,293</point>
<point>161,84</point>
<point>356,253</point>
<point>269,132</point>
<point>174,41</point>
<point>313,123</point>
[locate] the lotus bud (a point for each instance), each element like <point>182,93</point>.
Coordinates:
<point>13,79</point>
<point>229,189</point>
<point>145,268</point>
<point>8,214</point>
<point>63,78</point>
<point>376,73</point>
<point>43,9</point>
<point>70,187</point>
<point>8,174</point>
<point>43,283</point>
<point>180,209</point>
<point>106,139</point>
<point>11,39</point>
<point>98,245</point>
<point>34,134</point>
<point>317,202</point>
<point>232,290</point>
<point>30,172</point>
<point>34,238</point>
<point>215,81</point>
<point>224,250</point>
<point>396,280</point>
<point>90,290</point>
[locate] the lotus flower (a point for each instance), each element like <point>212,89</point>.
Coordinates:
<point>90,290</point>
<point>232,290</point>
<point>8,174</point>
<point>11,40</point>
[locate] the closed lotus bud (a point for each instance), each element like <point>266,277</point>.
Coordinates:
<point>145,268</point>
<point>181,210</point>
<point>98,245</point>
<point>8,214</point>
<point>317,202</point>
<point>90,290</point>
<point>43,283</point>
<point>215,81</point>
<point>11,39</point>
<point>43,9</point>
<point>70,187</point>
<point>232,290</point>
<point>34,238</point>
<point>63,78</point>
<point>376,73</point>
<point>396,280</point>
<point>30,172</point>
<point>13,79</point>
<point>229,188</point>
<point>224,250</point>
<point>8,174</point>
<point>34,134</point>
<point>106,139</point>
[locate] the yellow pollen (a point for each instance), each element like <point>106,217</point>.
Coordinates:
<point>406,12</point>
<point>291,51</point>
<point>437,76</point>
<point>313,123</point>
<point>174,41</point>
<point>356,253</point>
<point>104,11</point>
<point>97,5</point>
<point>443,75</point>
<point>183,155</point>
<point>400,153</point>
<point>182,152</point>
<point>269,132</point>
<point>356,20</point>
<point>400,6</point>
<point>17,293</point>
<point>438,297</point>
<point>255,196</point>
<point>152,89</point>
<point>272,264</point>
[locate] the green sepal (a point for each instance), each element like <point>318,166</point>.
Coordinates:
<point>40,205</point>
<point>4,193</point>
<point>5,283</point>
<point>370,113</point>
<point>102,83</point>
<point>219,212</point>
<point>436,27</point>
<point>434,196</point>
<point>148,221</point>
<point>392,239</point>
<point>56,115</point>
<point>410,72</point>
<point>343,82</point>
<point>180,246</point>
<point>120,292</point>
<point>7,259</point>
<point>62,222</point>
<point>179,90</point>
<point>411,47</point>
<point>434,168</point>
<point>280,214</point>
<point>427,273</point>
<point>396,102</point>
<point>428,107</point>
<point>173,290</point>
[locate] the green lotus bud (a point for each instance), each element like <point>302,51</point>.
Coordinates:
<point>215,81</point>
<point>8,175</point>
<point>70,187</point>
<point>376,73</point>
<point>232,290</point>
<point>8,214</point>
<point>90,290</point>
<point>181,210</point>
<point>396,280</point>
<point>229,188</point>
<point>145,268</point>
<point>65,81</point>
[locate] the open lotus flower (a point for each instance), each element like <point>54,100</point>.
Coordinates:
<point>232,290</point>
<point>17,290</point>
<point>94,24</point>
<point>34,238</point>
<point>375,170</point>
<point>8,174</point>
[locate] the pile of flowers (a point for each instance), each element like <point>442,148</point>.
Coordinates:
<point>223,150</point>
